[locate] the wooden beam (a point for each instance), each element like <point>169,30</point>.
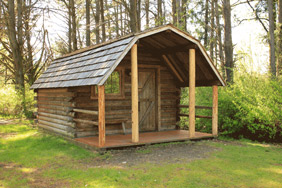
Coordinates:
<point>197,107</point>
<point>158,98</point>
<point>197,116</point>
<point>92,112</point>
<point>192,81</point>
<point>134,94</point>
<point>101,115</point>
<point>172,68</point>
<point>214,110</point>
<point>86,121</point>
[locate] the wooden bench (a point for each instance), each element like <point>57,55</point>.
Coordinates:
<point>117,121</point>
<point>120,120</point>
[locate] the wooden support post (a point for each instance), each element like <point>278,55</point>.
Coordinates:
<point>214,110</point>
<point>134,94</point>
<point>158,99</point>
<point>101,116</point>
<point>192,83</point>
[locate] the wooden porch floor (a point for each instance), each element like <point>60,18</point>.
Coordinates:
<point>116,141</point>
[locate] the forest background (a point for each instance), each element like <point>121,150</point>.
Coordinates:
<point>34,32</point>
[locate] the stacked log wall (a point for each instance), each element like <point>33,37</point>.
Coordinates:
<point>120,108</point>
<point>54,111</point>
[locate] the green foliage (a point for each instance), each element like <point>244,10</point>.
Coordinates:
<point>252,107</point>
<point>11,105</point>
<point>249,108</point>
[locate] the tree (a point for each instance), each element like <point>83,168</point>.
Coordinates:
<point>206,23</point>
<point>271,38</point>
<point>228,46</point>
<point>73,18</point>
<point>103,20</point>
<point>219,39</point>
<point>87,12</point>
<point>133,16</point>
<point>279,39</point>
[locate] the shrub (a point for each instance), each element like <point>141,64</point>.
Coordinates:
<point>251,108</point>
<point>11,104</point>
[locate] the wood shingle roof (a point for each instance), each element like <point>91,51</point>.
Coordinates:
<point>93,65</point>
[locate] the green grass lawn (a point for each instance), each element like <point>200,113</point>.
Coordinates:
<point>29,158</point>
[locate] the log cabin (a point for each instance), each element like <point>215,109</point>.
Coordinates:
<point>127,91</point>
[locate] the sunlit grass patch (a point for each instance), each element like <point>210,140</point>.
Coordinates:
<point>31,157</point>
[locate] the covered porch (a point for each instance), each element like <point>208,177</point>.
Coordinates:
<point>116,141</point>
<point>136,137</point>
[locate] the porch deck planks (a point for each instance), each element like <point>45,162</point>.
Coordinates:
<point>116,141</point>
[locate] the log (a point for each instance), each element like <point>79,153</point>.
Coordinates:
<point>86,121</point>
<point>58,112</point>
<point>57,90</point>
<point>58,121</point>
<point>197,107</point>
<point>197,116</point>
<point>61,117</point>
<point>66,94</point>
<point>57,126</point>
<point>175,72</point>
<point>215,111</point>
<point>65,99</point>
<point>57,103</point>
<point>86,111</point>
<point>192,82</point>
<point>134,94</point>
<point>59,131</point>
<point>101,116</point>
<point>62,108</point>
<point>85,134</point>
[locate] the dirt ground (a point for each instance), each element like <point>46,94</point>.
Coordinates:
<point>180,152</point>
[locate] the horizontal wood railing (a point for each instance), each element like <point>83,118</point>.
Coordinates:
<point>86,121</point>
<point>197,116</point>
<point>92,112</point>
<point>197,107</point>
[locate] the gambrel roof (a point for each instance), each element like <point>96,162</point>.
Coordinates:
<point>93,65</point>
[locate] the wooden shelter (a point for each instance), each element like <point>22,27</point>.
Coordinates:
<point>127,89</point>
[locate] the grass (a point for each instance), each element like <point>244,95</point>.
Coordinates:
<point>29,158</point>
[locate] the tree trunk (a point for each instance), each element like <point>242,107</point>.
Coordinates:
<point>271,38</point>
<point>147,5</point>
<point>73,18</point>
<point>97,22</point>
<point>138,15</point>
<point>133,16</point>
<point>103,21</point>
<point>16,43</point>
<point>184,15</point>
<point>206,23</point>
<point>174,16</point>
<point>228,46</point>
<point>212,31</point>
<point>218,31</point>
<point>178,13</point>
<point>29,61</point>
<point>160,13</point>
<point>116,13</point>
<point>70,29</point>
<point>279,41</point>
<point>87,7</point>
<point>121,21</point>
<point>108,16</point>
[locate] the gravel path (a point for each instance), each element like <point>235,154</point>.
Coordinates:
<point>158,154</point>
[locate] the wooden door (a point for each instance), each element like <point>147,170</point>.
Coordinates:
<point>147,99</point>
